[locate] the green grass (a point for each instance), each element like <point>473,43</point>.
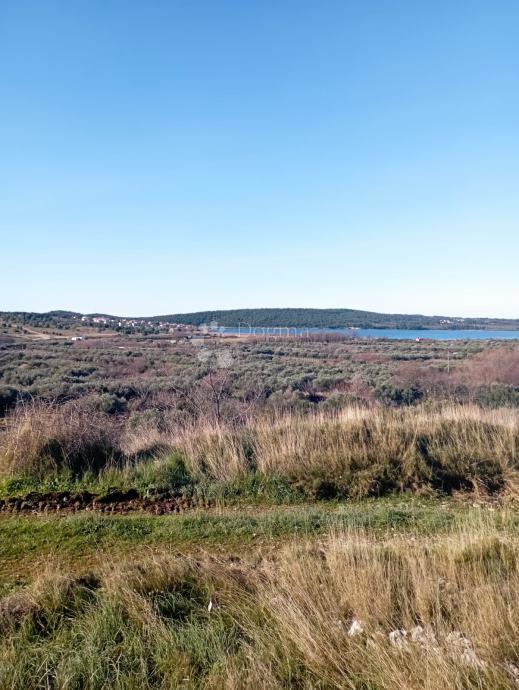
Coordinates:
<point>216,599</point>
<point>168,475</point>
<point>27,541</point>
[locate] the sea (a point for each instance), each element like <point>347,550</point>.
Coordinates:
<point>381,333</point>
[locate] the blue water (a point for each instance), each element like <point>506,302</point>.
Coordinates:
<point>390,333</point>
<point>395,334</point>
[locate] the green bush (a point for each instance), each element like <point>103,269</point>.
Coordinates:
<point>109,403</point>
<point>164,475</point>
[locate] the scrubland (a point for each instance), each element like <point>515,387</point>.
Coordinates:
<point>309,515</point>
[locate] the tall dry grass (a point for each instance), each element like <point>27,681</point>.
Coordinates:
<point>351,611</point>
<point>403,612</point>
<point>355,452</point>
<point>41,437</point>
<point>363,452</point>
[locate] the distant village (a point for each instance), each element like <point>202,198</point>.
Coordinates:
<point>455,320</point>
<point>134,324</point>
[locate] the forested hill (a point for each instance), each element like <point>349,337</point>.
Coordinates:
<point>301,318</point>
<point>334,318</point>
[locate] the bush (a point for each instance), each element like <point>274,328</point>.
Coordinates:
<point>41,438</point>
<point>393,395</point>
<point>110,403</point>
<point>8,399</point>
<point>165,475</point>
<point>497,395</point>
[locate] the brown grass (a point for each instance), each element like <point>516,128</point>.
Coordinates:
<point>354,453</point>
<point>365,452</point>
<point>168,621</point>
<point>460,590</point>
<point>41,437</point>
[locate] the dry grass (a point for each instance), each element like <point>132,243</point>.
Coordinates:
<point>42,437</point>
<point>169,621</point>
<point>454,601</point>
<point>359,452</point>
<point>356,452</point>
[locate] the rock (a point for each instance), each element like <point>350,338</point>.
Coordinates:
<point>513,671</point>
<point>423,637</point>
<point>398,638</point>
<point>416,633</point>
<point>462,647</point>
<point>356,628</point>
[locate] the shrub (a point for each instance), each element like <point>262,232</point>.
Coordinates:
<point>393,395</point>
<point>497,395</point>
<point>169,474</point>
<point>41,438</point>
<point>111,403</point>
<point>8,398</point>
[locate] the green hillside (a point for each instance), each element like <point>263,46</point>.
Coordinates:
<point>333,318</point>
<point>291,317</point>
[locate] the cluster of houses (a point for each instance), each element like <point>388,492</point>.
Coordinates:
<point>111,322</point>
<point>447,322</point>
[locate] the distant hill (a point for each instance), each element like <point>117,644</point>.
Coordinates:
<point>334,318</point>
<point>299,318</point>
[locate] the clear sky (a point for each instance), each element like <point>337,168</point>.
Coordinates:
<point>160,156</point>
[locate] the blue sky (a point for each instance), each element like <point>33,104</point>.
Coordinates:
<point>164,156</point>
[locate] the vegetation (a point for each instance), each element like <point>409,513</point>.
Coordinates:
<point>413,611</point>
<point>284,419</point>
<point>288,317</point>
<point>355,453</point>
<point>75,541</point>
<point>132,374</point>
<point>333,318</point>
<point>199,511</point>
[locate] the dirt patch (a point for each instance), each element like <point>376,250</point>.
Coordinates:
<point>115,501</point>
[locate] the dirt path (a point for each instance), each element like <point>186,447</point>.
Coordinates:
<point>121,502</point>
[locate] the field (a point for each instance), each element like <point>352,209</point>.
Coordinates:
<point>383,594</point>
<point>209,512</point>
<point>280,372</point>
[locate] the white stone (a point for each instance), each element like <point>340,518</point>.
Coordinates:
<point>421,636</point>
<point>463,647</point>
<point>356,628</point>
<point>398,638</point>
<point>513,671</point>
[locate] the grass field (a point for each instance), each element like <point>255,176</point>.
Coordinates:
<point>28,541</point>
<point>319,515</point>
<point>386,593</point>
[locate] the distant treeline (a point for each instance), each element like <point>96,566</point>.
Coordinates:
<point>49,319</point>
<point>298,318</point>
<point>333,318</point>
